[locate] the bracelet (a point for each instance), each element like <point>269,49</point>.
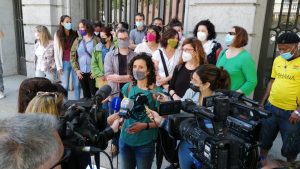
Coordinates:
<point>148,126</point>
<point>173,94</point>
<point>297,112</point>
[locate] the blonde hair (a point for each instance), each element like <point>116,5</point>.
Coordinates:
<point>45,102</point>
<point>45,36</point>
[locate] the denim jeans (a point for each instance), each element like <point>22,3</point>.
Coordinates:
<point>279,121</point>
<point>186,161</point>
<point>51,76</point>
<point>67,71</point>
<point>136,156</point>
<point>1,78</point>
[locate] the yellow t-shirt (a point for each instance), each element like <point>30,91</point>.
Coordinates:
<point>285,91</point>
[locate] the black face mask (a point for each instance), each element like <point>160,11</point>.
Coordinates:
<point>103,41</point>
<point>194,88</point>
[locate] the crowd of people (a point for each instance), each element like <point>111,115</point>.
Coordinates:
<point>149,59</point>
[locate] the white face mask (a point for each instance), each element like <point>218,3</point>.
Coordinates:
<point>36,35</point>
<point>186,56</point>
<point>201,36</point>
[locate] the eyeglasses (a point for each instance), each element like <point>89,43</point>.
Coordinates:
<point>231,33</point>
<point>65,158</point>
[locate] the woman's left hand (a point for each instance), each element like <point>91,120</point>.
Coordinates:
<point>136,127</point>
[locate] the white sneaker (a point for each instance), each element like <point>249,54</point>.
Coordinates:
<point>2,95</point>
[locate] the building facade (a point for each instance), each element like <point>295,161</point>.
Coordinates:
<point>264,20</point>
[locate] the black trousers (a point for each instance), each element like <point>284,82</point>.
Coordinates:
<point>88,85</point>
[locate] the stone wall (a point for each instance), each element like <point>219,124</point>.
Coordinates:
<point>8,42</point>
<point>224,14</point>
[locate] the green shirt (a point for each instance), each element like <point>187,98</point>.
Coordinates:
<point>241,69</point>
<point>144,136</point>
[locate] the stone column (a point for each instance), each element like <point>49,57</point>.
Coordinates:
<point>8,48</point>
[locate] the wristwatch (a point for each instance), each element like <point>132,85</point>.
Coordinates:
<point>297,112</point>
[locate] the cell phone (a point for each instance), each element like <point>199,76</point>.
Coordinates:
<point>169,107</point>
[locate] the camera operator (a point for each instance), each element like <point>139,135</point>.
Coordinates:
<point>205,80</point>
<point>50,103</point>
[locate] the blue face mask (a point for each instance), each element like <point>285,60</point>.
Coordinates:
<point>287,55</point>
<point>229,39</point>
<point>68,26</point>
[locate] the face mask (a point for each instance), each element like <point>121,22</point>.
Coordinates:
<point>287,55</point>
<point>123,44</point>
<point>186,56</point>
<point>172,43</point>
<point>201,36</point>
<point>151,37</point>
<point>138,75</point>
<point>103,41</point>
<point>96,33</point>
<point>68,26</point>
<point>36,35</point>
<point>83,32</point>
<point>229,39</point>
<point>179,35</point>
<point>139,24</point>
<point>194,88</point>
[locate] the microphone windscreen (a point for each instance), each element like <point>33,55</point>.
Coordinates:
<point>116,103</point>
<point>104,91</point>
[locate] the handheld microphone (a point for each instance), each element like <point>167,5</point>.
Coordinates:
<point>116,104</point>
<point>126,107</point>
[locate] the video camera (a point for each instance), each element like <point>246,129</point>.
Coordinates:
<point>84,122</point>
<point>224,131</point>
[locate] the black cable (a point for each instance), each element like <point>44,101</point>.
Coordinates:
<point>98,150</point>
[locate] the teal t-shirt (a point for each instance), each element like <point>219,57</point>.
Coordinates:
<point>144,136</point>
<point>241,69</point>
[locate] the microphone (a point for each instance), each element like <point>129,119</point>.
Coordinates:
<point>103,93</point>
<point>126,107</point>
<point>116,104</point>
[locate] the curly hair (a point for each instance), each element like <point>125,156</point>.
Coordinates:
<point>150,68</point>
<point>210,28</point>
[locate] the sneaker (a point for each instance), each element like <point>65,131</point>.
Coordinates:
<point>172,166</point>
<point>2,95</point>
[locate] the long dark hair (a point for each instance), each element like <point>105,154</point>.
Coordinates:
<point>61,32</point>
<point>150,68</point>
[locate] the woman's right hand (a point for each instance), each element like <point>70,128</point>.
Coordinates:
<point>154,116</point>
<point>79,74</point>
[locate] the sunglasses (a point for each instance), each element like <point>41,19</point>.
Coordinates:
<point>231,33</point>
<point>65,158</point>
<point>53,94</point>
